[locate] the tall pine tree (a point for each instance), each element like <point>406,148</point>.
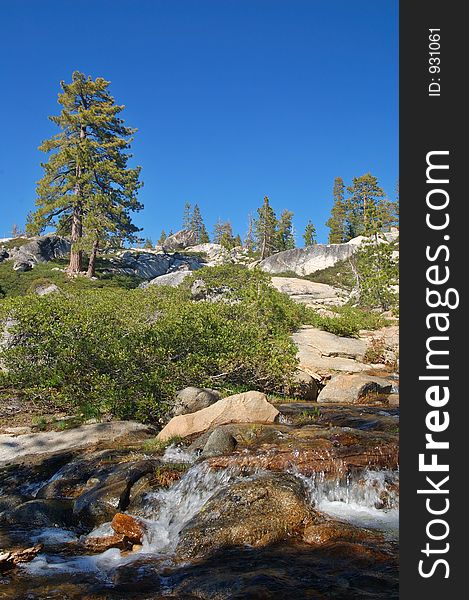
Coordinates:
<point>266,229</point>
<point>197,225</point>
<point>309,235</point>
<point>363,205</point>
<point>285,232</point>
<point>88,191</point>
<point>337,220</point>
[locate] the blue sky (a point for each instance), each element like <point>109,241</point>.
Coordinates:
<point>233,99</point>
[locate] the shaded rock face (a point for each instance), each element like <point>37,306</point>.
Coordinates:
<point>219,442</point>
<point>248,407</point>
<point>180,240</point>
<point>258,512</point>
<point>39,513</point>
<point>3,255</point>
<point>41,249</point>
<point>192,399</point>
<point>150,265</point>
<point>347,389</point>
<point>109,494</point>
<point>22,266</point>
<point>304,261</point>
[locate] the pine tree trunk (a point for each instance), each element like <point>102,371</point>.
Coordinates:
<point>76,256</point>
<point>92,262</point>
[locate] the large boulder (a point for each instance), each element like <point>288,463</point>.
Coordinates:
<point>257,512</point>
<point>150,264</point>
<point>347,389</point>
<point>219,442</point>
<point>192,399</point>
<point>172,279</point>
<point>180,240</point>
<point>304,261</point>
<point>248,407</point>
<point>39,513</point>
<point>40,249</point>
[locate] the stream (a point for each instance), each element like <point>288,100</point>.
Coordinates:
<point>349,496</point>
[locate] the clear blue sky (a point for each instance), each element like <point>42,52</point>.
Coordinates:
<point>233,99</point>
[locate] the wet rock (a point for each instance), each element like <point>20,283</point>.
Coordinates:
<point>220,442</point>
<point>130,527</point>
<point>96,545</point>
<point>330,531</point>
<point>110,494</point>
<point>334,452</point>
<point>14,556</point>
<point>180,240</point>
<point>248,407</point>
<point>192,399</point>
<point>255,512</point>
<point>36,514</point>
<point>10,502</point>
<point>347,389</point>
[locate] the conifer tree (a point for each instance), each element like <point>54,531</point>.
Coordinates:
<point>187,216</point>
<point>337,220</point>
<point>285,233</point>
<point>249,241</point>
<point>148,244</point>
<point>223,235</point>
<point>162,237</point>
<point>363,204</point>
<point>87,190</point>
<point>197,225</point>
<point>309,235</point>
<point>266,229</point>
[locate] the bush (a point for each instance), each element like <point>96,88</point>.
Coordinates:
<point>126,352</point>
<point>348,322</point>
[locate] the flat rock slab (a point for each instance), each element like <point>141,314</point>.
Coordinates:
<point>13,448</point>
<point>321,353</point>
<point>351,388</point>
<point>309,292</point>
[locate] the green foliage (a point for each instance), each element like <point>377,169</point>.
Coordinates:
<point>363,205</point>
<point>88,191</point>
<point>285,235</point>
<point>347,322</point>
<point>126,352</point>
<point>16,242</point>
<point>14,283</point>
<point>377,272</point>
<point>337,220</point>
<point>309,236</point>
<point>265,228</point>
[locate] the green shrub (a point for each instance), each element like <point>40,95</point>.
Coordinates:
<point>348,322</point>
<point>126,352</point>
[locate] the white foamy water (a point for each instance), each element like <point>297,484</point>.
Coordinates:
<point>359,499</point>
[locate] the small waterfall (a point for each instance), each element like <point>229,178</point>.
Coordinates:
<point>367,499</point>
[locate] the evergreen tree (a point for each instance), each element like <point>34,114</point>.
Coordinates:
<point>265,228</point>
<point>377,274</point>
<point>187,216</point>
<point>162,238</point>
<point>87,190</point>
<point>148,244</point>
<point>249,241</point>
<point>337,220</point>
<point>363,205</point>
<point>309,235</point>
<point>285,233</point>
<point>223,235</point>
<point>197,225</point>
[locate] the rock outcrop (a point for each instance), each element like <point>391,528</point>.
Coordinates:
<point>309,292</point>
<point>180,240</point>
<point>248,407</point>
<point>173,279</point>
<point>256,512</point>
<point>304,261</point>
<point>39,250</point>
<point>347,389</point>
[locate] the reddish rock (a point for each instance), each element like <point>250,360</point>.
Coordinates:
<point>10,558</point>
<point>96,545</point>
<point>130,527</point>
